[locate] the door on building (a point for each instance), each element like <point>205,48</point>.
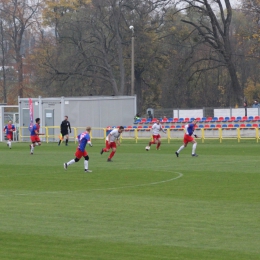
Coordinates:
<point>26,123</point>
<point>49,121</point>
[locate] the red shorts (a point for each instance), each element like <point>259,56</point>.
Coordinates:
<point>79,153</point>
<point>9,136</point>
<point>35,139</point>
<point>111,145</point>
<point>187,139</point>
<point>156,137</point>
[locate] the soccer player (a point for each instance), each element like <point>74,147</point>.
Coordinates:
<point>112,140</point>
<point>64,130</point>
<point>189,129</point>
<point>8,130</point>
<point>35,132</point>
<point>156,128</point>
<point>83,140</point>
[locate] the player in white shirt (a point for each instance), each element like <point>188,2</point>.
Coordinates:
<point>156,128</point>
<point>112,140</point>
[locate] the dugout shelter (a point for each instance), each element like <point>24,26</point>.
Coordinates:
<point>94,111</point>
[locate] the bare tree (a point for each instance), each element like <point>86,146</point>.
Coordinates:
<point>89,39</point>
<point>98,38</point>
<point>18,16</point>
<point>252,6</point>
<point>213,26</point>
<point>148,20</point>
<point>3,60</point>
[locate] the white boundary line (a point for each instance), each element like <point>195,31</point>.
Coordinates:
<point>141,185</point>
<point>114,188</point>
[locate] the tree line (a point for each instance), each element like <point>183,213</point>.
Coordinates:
<point>187,53</point>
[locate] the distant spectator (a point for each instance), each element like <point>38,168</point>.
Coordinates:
<point>164,119</point>
<point>256,104</point>
<point>137,116</point>
<point>150,115</point>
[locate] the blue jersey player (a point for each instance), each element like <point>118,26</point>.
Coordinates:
<point>8,130</point>
<point>189,131</point>
<point>83,139</point>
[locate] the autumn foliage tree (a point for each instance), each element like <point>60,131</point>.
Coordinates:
<point>18,16</point>
<point>91,47</point>
<point>199,53</point>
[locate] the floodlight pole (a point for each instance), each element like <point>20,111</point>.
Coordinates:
<point>132,61</point>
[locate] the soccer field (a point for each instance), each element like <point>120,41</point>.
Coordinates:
<point>142,206</point>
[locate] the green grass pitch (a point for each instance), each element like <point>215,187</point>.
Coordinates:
<point>142,206</point>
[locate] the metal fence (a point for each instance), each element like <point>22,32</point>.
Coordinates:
<point>142,133</point>
<point>206,111</point>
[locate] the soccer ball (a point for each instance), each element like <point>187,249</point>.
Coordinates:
<point>147,148</point>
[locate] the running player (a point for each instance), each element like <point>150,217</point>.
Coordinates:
<point>112,140</point>
<point>35,135</point>
<point>83,140</point>
<point>189,129</point>
<point>8,130</point>
<point>156,128</point>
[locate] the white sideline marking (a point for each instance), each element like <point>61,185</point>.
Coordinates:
<point>147,184</point>
<point>115,188</point>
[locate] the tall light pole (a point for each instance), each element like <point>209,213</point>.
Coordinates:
<point>131,27</point>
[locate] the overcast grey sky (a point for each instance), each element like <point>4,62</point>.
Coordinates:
<point>234,3</point>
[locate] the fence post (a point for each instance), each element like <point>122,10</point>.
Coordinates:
<point>168,135</point>
<point>202,135</point>
<point>105,134</point>
<point>220,135</point>
<point>136,136</point>
<point>76,133</point>
<point>238,135</point>
<point>47,134</point>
